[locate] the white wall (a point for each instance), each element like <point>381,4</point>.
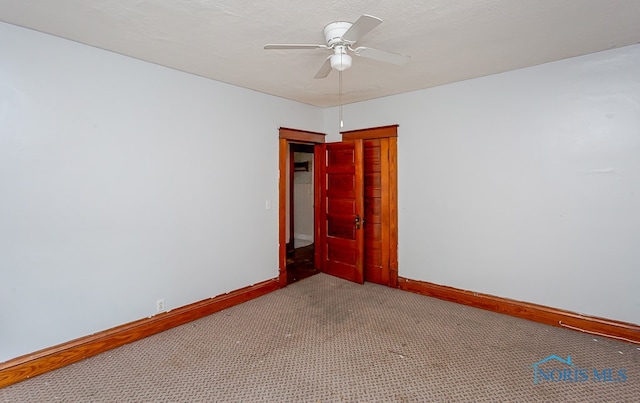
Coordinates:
<point>523,185</point>
<point>303,202</point>
<point>122,182</point>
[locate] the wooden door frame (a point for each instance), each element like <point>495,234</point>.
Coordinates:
<point>287,136</point>
<point>290,242</point>
<point>390,197</point>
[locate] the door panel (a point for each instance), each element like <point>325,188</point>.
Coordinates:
<point>341,227</point>
<point>341,206</point>
<point>375,266</point>
<point>343,201</point>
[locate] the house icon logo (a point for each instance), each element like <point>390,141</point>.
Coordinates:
<point>536,370</point>
<point>557,369</point>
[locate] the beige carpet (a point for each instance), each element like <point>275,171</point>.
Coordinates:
<point>325,339</point>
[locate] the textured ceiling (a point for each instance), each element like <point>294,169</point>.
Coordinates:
<point>448,40</point>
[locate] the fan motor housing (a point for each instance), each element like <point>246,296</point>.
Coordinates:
<point>333,33</point>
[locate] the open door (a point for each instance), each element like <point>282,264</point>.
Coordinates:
<point>354,180</point>
<point>342,191</point>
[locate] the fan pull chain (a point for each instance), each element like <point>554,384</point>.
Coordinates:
<point>340,94</point>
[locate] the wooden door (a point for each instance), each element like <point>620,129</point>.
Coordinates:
<point>342,235</point>
<point>380,203</point>
<point>376,212</point>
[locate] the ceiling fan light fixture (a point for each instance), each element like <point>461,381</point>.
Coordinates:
<point>340,36</point>
<point>341,62</point>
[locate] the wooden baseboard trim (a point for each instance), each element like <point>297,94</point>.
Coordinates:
<point>30,365</point>
<point>537,313</point>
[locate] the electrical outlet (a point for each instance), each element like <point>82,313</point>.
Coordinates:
<point>160,305</point>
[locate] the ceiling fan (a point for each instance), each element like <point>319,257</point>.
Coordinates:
<point>340,37</point>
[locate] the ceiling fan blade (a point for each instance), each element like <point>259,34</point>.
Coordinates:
<point>382,55</point>
<point>325,69</point>
<point>361,27</point>
<point>294,46</point>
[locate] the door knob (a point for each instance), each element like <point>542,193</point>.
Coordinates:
<point>358,221</point>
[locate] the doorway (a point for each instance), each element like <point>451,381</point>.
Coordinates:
<point>300,240</point>
<point>298,257</point>
<point>355,210</point>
